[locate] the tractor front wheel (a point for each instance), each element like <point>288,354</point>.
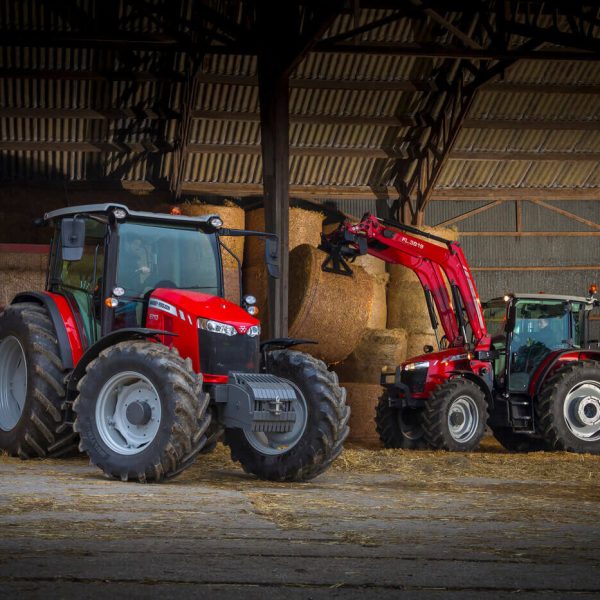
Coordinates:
<point>321,426</point>
<point>397,427</point>
<point>455,415</point>
<point>569,408</point>
<point>141,412</point>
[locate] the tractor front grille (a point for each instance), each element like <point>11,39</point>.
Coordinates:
<point>414,379</point>
<point>220,354</point>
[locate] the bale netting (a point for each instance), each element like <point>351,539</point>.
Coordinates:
<point>305,228</point>
<point>362,398</point>
<point>371,264</point>
<point>418,339</point>
<point>377,348</point>
<point>232,216</point>
<point>378,310</point>
<point>331,309</point>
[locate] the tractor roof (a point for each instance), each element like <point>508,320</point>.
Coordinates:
<point>542,296</point>
<point>135,214</point>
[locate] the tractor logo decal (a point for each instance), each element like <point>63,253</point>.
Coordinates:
<point>242,329</point>
<point>164,306</point>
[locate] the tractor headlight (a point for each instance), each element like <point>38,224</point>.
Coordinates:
<point>424,364</point>
<point>254,331</point>
<point>216,222</point>
<point>216,327</point>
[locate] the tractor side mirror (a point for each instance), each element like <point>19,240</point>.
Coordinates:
<point>72,233</point>
<point>272,256</point>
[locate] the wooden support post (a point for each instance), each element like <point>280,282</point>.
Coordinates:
<point>274,113</point>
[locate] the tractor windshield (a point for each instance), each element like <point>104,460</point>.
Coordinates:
<point>153,255</point>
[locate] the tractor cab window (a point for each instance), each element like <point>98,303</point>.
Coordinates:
<point>494,315</point>
<point>80,281</point>
<point>152,256</point>
<point>541,326</point>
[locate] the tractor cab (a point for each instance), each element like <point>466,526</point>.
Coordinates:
<point>108,263</point>
<point>527,328</point>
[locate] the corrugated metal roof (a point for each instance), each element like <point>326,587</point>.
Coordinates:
<point>100,92</point>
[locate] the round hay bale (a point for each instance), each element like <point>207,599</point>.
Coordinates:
<point>305,228</point>
<point>231,285</point>
<point>331,309</point>
<point>378,311</point>
<point>362,398</point>
<point>256,281</point>
<point>232,216</point>
<point>377,348</point>
<point>417,340</point>
<point>371,264</point>
<point>406,306</point>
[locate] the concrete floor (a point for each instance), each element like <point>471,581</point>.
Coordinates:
<point>379,524</point>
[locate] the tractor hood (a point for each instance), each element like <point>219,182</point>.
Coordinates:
<point>190,306</point>
<point>432,358</point>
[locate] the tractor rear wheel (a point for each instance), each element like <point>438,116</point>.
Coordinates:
<point>518,442</point>
<point>315,443</point>
<point>141,412</point>
<point>31,385</point>
<point>455,415</point>
<point>399,428</point>
<point>569,408</point>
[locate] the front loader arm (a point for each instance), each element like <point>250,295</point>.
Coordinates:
<point>397,244</point>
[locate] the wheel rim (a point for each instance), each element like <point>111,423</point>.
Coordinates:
<point>13,382</point>
<point>582,411</point>
<point>274,443</point>
<point>409,426</point>
<point>463,419</point>
<point>128,413</point>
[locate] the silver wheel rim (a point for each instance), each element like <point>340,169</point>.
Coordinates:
<point>274,443</point>
<point>13,382</point>
<point>582,411</point>
<point>463,419</point>
<point>117,399</point>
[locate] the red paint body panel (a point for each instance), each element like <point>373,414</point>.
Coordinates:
<point>179,312</point>
<point>68,318</point>
<point>555,360</point>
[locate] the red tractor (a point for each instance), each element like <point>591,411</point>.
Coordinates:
<point>133,350</point>
<point>530,373</point>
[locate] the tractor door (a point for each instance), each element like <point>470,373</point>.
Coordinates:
<point>80,281</point>
<point>540,326</point>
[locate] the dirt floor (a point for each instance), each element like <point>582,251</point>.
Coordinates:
<point>383,524</point>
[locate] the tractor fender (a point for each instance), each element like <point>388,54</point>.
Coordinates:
<point>114,337</point>
<point>547,365</point>
<point>480,381</point>
<point>64,344</point>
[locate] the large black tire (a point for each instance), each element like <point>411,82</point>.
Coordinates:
<point>399,428</point>
<point>519,442</point>
<point>447,402</point>
<point>40,430</point>
<point>177,391</point>
<point>559,404</point>
<point>326,426</point>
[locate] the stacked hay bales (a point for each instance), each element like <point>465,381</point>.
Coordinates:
<point>406,304</point>
<point>327,308</point>
<point>361,374</point>
<point>377,348</point>
<point>362,398</point>
<point>232,216</point>
<point>21,272</point>
<point>305,228</point>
